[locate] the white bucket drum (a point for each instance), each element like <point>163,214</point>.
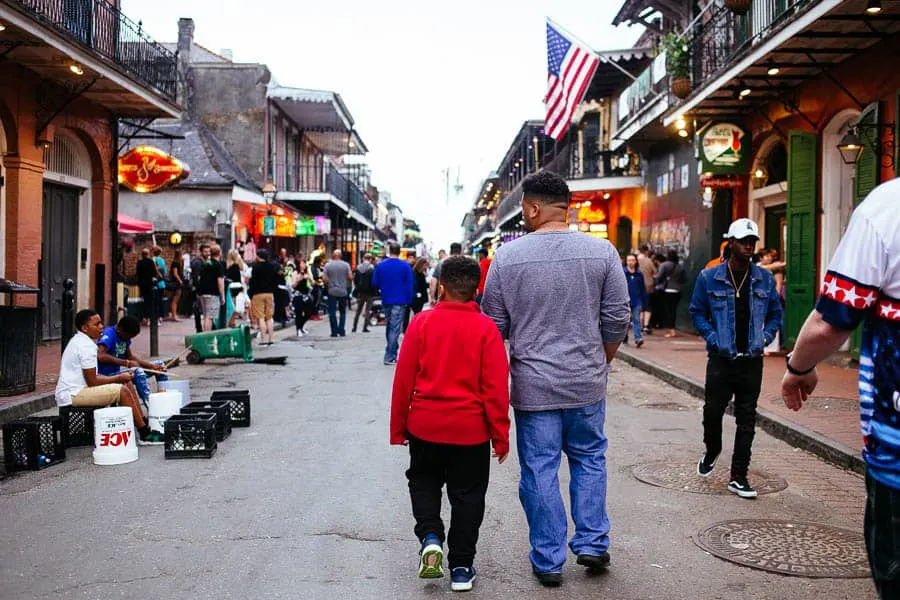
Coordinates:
<point>115,440</point>
<point>178,385</point>
<point>162,406</point>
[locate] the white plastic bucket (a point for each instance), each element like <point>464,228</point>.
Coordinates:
<point>178,385</point>
<point>162,406</point>
<point>114,436</point>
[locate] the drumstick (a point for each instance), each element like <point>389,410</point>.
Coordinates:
<point>148,371</point>
<point>179,356</point>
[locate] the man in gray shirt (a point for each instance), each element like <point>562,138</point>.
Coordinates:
<point>337,275</point>
<point>561,299</point>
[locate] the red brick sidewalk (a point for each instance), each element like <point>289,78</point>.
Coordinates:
<point>171,342</point>
<point>833,412</point>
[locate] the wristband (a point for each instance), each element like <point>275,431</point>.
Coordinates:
<point>792,370</point>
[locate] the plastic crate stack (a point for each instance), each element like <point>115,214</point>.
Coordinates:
<point>33,444</point>
<point>197,431</point>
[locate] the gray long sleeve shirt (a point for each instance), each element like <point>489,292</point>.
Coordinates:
<point>558,296</point>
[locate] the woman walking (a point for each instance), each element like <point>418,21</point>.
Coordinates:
<point>175,285</point>
<point>420,286</point>
<point>637,294</point>
<point>670,280</point>
<point>302,284</point>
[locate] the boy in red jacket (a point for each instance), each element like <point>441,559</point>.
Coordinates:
<point>450,402</point>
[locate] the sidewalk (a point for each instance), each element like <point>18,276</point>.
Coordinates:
<point>827,425</point>
<point>171,342</point>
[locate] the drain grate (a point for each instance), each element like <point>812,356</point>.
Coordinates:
<point>788,547</point>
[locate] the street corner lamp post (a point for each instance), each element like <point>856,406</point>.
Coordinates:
<point>851,147</point>
<point>269,191</point>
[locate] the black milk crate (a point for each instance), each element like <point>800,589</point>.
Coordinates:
<point>78,425</point>
<point>191,436</point>
<point>221,410</point>
<point>26,440</point>
<point>239,405</point>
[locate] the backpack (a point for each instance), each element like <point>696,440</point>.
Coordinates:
<point>363,282</point>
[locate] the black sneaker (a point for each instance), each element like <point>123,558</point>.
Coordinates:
<point>741,487</point>
<point>705,466</point>
<point>594,562</point>
<point>549,579</point>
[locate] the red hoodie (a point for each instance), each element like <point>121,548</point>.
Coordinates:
<point>452,380</point>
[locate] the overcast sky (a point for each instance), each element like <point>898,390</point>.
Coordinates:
<point>430,86</point>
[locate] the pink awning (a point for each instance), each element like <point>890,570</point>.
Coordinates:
<point>131,225</point>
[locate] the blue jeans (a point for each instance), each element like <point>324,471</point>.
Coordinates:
<point>636,321</point>
<point>541,437</point>
<point>393,315</point>
<point>336,304</point>
<point>141,383</point>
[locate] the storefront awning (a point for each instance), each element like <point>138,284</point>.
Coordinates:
<point>131,225</point>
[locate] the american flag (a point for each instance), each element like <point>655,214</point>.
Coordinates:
<point>570,67</point>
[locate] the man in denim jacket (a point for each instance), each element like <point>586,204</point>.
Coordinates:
<point>736,309</point>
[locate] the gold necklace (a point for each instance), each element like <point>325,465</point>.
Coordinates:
<point>737,288</point>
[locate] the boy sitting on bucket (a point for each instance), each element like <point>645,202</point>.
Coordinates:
<point>80,385</point>
<point>114,355</point>
<point>450,402</point>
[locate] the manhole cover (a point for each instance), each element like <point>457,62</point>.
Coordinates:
<point>663,406</point>
<point>787,547</point>
<point>683,477</point>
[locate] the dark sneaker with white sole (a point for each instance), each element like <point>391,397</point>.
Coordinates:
<point>594,562</point>
<point>431,558</point>
<point>741,487</point>
<point>705,466</point>
<point>462,578</point>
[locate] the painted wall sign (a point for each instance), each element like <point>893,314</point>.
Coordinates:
<point>725,149</point>
<point>145,169</point>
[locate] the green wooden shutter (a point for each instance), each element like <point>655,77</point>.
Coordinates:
<point>868,171</point>
<point>801,222</point>
<point>868,175</point>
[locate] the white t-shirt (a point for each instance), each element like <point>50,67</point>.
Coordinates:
<point>80,353</point>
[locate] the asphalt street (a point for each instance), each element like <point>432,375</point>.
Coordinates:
<point>311,502</point>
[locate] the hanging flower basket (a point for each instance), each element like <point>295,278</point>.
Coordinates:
<point>681,88</point>
<point>738,7</point>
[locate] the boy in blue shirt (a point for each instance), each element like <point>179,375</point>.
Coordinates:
<point>114,355</point>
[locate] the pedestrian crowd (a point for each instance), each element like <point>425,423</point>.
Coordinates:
<point>454,381</point>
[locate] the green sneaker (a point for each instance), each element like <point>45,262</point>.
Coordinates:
<point>431,559</point>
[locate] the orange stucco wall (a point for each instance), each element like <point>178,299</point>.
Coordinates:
<point>24,167</point>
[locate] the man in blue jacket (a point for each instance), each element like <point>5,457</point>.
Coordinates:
<point>394,277</point>
<point>735,307</point>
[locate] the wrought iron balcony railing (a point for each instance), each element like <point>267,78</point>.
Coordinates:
<point>722,37</point>
<point>103,29</point>
<point>347,192</point>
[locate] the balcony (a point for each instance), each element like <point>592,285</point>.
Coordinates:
<point>124,70</point>
<point>321,182</point>
<point>722,36</point>
<point>642,102</point>
<point>743,63</point>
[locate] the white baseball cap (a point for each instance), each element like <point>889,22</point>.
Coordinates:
<point>742,228</point>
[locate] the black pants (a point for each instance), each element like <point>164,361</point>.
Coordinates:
<point>363,308</point>
<point>302,310</point>
<point>740,378</point>
<point>657,310</point>
<point>883,537</point>
<point>465,470</point>
<point>671,300</point>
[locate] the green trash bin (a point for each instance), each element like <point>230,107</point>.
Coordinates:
<point>221,343</point>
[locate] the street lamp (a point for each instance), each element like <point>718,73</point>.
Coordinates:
<point>850,147</point>
<point>269,191</point>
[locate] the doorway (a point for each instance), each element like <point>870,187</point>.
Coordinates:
<point>58,252</point>
<point>721,220</point>
<point>624,229</point>
<point>775,230</point>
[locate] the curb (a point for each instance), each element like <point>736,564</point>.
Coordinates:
<point>26,407</point>
<point>794,434</point>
